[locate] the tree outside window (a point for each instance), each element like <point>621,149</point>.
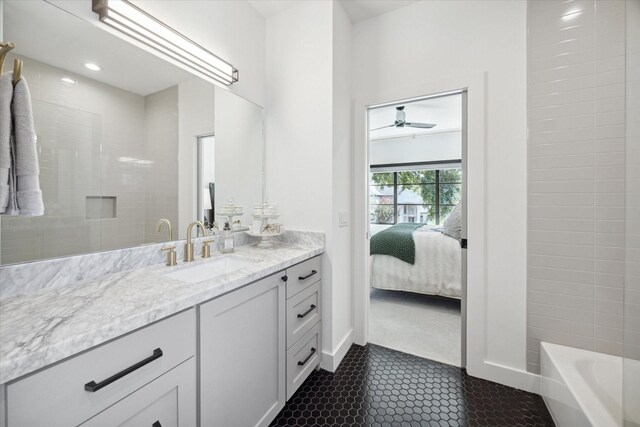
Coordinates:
<point>418,196</point>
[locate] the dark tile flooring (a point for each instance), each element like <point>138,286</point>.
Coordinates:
<point>377,386</point>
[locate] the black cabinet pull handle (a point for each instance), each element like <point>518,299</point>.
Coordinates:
<point>303,362</point>
<point>313,307</point>
<point>307,276</point>
<point>92,386</point>
<point>284,278</point>
<point>156,424</point>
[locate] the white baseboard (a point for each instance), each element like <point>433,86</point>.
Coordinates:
<point>331,361</point>
<point>489,371</point>
<point>505,375</point>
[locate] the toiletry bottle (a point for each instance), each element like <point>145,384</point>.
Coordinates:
<point>227,239</point>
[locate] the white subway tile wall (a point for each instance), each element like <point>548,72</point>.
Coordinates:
<point>161,148</point>
<point>91,140</point>
<point>576,175</point>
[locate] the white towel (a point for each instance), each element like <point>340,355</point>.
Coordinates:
<point>28,194</point>
<point>7,170</point>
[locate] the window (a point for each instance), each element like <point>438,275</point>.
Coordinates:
<point>423,196</point>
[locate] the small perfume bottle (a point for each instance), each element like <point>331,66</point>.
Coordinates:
<point>227,239</point>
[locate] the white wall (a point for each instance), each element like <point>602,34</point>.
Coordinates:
<point>342,292</point>
<point>233,30</point>
<point>308,155</point>
<point>299,131</point>
<point>196,103</point>
<point>444,39</point>
<point>298,115</point>
<point>428,147</point>
<point>239,150</point>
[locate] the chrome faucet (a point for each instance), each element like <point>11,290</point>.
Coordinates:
<point>188,247</point>
<point>159,227</point>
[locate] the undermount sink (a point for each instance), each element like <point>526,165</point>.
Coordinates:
<point>210,269</point>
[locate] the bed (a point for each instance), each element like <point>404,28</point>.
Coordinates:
<point>437,267</point>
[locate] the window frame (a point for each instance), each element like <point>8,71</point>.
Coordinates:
<point>395,168</point>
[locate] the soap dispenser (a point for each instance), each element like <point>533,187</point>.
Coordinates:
<point>227,239</point>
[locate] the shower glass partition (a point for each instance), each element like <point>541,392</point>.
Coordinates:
<point>631,360</point>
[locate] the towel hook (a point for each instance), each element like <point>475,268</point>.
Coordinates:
<point>17,71</point>
<point>4,49</point>
<point>17,63</point>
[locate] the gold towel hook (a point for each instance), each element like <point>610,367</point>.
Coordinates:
<point>4,49</point>
<point>17,71</point>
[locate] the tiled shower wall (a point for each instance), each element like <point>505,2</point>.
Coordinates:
<point>92,142</point>
<point>576,175</point>
<point>161,148</point>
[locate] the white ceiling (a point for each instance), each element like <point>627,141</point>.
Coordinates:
<point>269,8</point>
<point>445,112</point>
<point>48,34</point>
<point>358,10</point>
<point>361,10</point>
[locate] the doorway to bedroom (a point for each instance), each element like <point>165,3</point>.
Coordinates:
<point>416,193</point>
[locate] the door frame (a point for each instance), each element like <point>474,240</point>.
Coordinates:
<point>199,168</point>
<point>473,322</point>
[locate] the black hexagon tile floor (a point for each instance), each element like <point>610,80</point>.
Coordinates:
<point>377,386</point>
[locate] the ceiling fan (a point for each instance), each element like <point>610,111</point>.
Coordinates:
<point>401,122</point>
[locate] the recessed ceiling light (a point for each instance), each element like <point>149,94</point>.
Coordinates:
<point>92,66</point>
<point>68,81</point>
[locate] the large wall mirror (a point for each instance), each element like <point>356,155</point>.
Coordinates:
<point>123,146</point>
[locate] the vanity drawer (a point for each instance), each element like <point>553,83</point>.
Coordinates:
<point>303,275</point>
<point>302,359</point>
<point>57,396</point>
<point>168,401</point>
<point>303,312</point>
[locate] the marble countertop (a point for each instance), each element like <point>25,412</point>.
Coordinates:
<point>45,327</point>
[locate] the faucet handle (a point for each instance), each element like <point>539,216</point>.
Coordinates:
<point>206,250</point>
<point>171,255</point>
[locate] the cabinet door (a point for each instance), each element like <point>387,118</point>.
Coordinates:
<point>242,356</point>
<point>168,401</point>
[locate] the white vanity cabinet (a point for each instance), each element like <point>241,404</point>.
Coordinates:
<point>231,361</point>
<point>112,383</point>
<point>304,315</point>
<point>242,355</point>
<point>257,346</point>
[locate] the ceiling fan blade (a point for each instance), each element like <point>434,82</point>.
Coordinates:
<point>420,125</point>
<point>388,126</point>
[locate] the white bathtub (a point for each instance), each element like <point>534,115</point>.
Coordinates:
<point>580,387</point>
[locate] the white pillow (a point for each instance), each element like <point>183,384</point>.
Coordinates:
<point>453,224</point>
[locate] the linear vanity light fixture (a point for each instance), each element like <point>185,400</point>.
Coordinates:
<point>129,19</point>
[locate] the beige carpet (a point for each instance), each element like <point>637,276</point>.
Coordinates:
<point>422,325</point>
